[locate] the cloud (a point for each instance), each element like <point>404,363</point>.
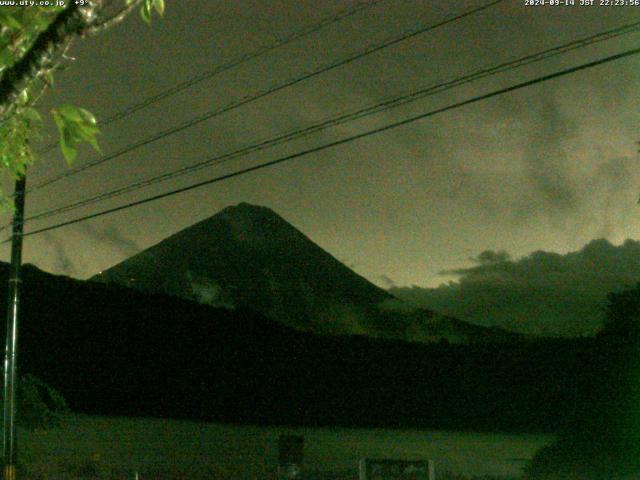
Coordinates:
<point>111,234</point>
<point>613,186</point>
<point>490,257</point>
<point>554,192</point>
<point>542,293</point>
<point>62,263</point>
<point>387,281</point>
<point>487,258</point>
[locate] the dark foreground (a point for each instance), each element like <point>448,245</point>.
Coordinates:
<point>105,448</point>
<point>114,351</point>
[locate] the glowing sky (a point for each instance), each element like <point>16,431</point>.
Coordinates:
<point>549,167</point>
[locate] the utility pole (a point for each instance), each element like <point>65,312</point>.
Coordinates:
<point>11,351</point>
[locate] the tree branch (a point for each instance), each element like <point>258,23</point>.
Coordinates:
<point>101,25</point>
<point>74,20</point>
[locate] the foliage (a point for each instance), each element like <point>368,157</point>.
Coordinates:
<point>585,459</point>
<point>20,122</point>
<point>603,438</point>
<point>40,406</point>
<point>623,314</point>
<point>19,27</point>
<point>148,6</point>
<point>75,125</point>
<point>16,154</point>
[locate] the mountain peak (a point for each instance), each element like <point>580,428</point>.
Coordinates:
<point>244,208</point>
<point>248,212</point>
<point>253,225</point>
<point>248,255</point>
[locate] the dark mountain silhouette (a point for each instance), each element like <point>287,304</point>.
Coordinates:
<point>248,256</point>
<point>113,350</point>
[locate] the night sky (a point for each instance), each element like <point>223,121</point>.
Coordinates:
<point>550,167</point>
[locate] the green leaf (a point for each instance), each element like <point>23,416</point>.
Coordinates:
<point>59,121</point>
<point>76,125</point>
<point>67,141</point>
<point>145,11</point>
<point>11,22</point>
<point>87,133</point>
<point>48,78</point>
<point>6,57</point>
<point>87,116</point>
<point>159,6</point>
<point>70,112</point>
<point>69,151</point>
<point>32,114</point>
<point>93,141</point>
<point>41,22</point>
<point>23,98</point>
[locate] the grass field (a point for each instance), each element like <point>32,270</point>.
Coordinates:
<point>104,447</point>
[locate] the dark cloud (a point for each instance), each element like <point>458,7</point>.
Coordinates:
<point>111,234</point>
<point>491,257</point>
<point>545,163</point>
<point>614,180</point>
<point>62,263</point>
<point>387,281</point>
<point>488,258</point>
<point>542,293</point>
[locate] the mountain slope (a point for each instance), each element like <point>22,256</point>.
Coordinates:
<point>112,350</point>
<point>248,256</point>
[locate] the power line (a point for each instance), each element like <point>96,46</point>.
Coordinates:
<point>390,102</point>
<point>252,98</point>
<point>131,109</point>
<point>242,59</point>
<point>342,141</point>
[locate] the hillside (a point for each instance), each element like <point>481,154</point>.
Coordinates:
<point>247,256</point>
<point>116,351</point>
